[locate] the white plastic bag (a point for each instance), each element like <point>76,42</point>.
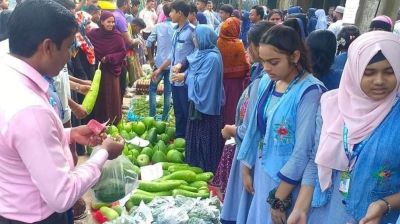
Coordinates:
<point>117,180</point>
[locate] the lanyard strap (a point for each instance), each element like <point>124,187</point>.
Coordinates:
<point>356,150</point>
<point>56,104</point>
<point>291,84</point>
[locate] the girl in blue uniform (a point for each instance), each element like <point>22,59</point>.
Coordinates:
<point>358,147</point>
<point>280,135</point>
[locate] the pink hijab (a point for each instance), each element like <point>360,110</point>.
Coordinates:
<point>351,106</point>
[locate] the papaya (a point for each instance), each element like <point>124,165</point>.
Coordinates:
<point>152,136</point>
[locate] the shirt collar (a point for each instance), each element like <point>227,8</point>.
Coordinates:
<point>28,71</point>
<point>183,27</point>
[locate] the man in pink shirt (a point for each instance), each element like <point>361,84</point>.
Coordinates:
<point>38,181</point>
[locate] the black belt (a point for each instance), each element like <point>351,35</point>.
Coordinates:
<point>59,218</point>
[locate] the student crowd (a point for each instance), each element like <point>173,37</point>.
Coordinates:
<point>310,102</point>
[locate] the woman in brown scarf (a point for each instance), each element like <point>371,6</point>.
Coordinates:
<point>109,48</point>
<point>235,63</point>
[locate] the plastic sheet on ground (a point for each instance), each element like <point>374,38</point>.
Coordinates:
<point>175,210</point>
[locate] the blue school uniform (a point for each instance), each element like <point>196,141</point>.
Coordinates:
<point>235,191</point>
<point>279,139</point>
<point>375,175</point>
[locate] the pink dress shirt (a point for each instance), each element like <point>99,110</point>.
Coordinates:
<point>37,174</point>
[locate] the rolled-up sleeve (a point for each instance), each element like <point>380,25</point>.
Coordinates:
<point>292,171</point>
<point>152,38</point>
<point>43,150</point>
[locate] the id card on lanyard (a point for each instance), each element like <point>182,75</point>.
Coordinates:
<point>352,157</point>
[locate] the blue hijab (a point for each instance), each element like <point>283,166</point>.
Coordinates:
<point>294,9</point>
<point>205,74</point>
<point>245,27</point>
<point>201,18</point>
<point>312,19</point>
<point>302,30</point>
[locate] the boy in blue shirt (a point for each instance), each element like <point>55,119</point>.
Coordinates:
<point>162,33</point>
<point>182,46</point>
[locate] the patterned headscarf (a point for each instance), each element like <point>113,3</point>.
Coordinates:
<point>81,40</point>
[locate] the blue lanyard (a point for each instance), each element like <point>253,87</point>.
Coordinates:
<point>52,93</point>
<point>357,150</point>
<point>291,84</point>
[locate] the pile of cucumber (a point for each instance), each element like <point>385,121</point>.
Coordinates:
<point>178,179</point>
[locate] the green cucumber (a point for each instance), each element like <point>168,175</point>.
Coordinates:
<point>166,165</point>
<point>166,173</point>
<point>154,186</point>
<point>188,188</point>
<point>161,193</point>
<point>175,168</point>
<point>118,209</point>
<point>186,175</point>
<point>199,184</point>
<point>109,213</point>
<point>137,198</point>
<point>204,188</point>
<point>204,176</point>
<point>190,194</point>
<point>206,191</point>
<point>97,206</point>
<point>138,191</point>
<point>129,205</point>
